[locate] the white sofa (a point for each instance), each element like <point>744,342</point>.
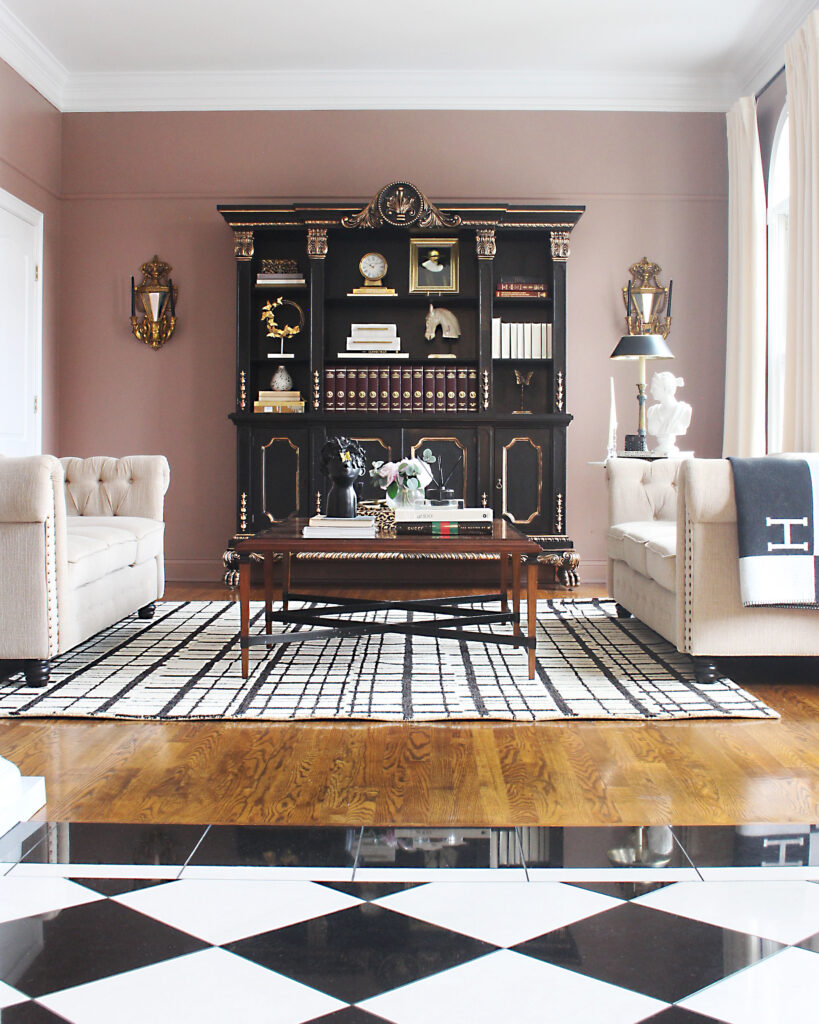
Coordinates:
<point>81,547</point>
<point>673,562</point>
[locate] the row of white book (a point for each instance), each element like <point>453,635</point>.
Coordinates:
<point>521,340</point>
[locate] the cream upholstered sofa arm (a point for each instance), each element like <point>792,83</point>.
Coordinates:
<point>104,486</point>
<point>707,487</point>
<point>640,490</point>
<point>28,487</point>
<point>33,559</point>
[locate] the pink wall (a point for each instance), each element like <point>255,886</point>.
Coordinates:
<point>133,184</point>
<point>30,135</point>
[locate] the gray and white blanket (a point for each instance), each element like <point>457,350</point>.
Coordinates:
<point>777,501</point>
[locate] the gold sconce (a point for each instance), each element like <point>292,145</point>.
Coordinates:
<point>647,302</point>
<point>157,295</point>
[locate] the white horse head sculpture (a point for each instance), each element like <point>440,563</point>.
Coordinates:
<point>447,321</point>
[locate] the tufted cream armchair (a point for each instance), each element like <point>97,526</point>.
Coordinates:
<point>81,547</point>
<point>673,562</point>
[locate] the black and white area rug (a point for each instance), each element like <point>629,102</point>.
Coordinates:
<point>185,665</point>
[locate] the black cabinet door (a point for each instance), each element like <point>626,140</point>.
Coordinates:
<point>522,490</point>
<point>280,475</point>
<point>379,444</point>
<point>457,453</point>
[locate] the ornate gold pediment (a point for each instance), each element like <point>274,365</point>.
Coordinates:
<point>401,204</point>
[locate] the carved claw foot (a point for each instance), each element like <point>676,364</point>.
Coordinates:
<point>622,613</point>
<point>230,560</point>
<point>565,565</point>
<point>147,611</point>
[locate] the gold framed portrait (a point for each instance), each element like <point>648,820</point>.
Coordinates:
<point>433,266</point>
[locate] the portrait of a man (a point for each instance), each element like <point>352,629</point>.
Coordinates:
<point>433,265</point>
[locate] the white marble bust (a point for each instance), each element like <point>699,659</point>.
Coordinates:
<point>669,418</point>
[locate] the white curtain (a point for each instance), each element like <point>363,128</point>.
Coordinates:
<point>744,424</point>
<point>801,427</point>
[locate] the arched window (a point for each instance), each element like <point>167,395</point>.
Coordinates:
<point>778,204</point>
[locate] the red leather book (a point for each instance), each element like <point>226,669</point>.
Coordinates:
<point>329,389</point>
<point>472,391</point>
<point>372,389</point>
<point>341,388</point>
<point>417,389</point>
<point>406,389</point>
<point>440,389</point>
<point>429,389</point>
<point>383,389</point>
<point>360,387</point>
<point>352,389</point>
<point>462,386</point>
<point>395,389</point>
<point>451,390</point>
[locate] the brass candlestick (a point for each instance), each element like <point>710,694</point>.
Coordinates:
<point>523,378</point>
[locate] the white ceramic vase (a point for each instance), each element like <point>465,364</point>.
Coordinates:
<point>281,379</point>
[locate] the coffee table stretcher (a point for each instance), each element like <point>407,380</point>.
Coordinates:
<point>325,620</point>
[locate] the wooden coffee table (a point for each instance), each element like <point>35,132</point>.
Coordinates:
<point>450,620</point>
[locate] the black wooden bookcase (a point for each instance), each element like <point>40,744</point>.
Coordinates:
<point>514,463</point>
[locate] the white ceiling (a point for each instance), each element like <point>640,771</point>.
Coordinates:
<point>421,54</point>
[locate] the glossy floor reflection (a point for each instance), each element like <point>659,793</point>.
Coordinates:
<point>355,926</point>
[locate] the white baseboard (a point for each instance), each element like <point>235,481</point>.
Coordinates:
<point>592,571</point>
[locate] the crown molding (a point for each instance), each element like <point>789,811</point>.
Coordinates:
<point>395,90</point>
<point>764,54</point>
<point>30,59</point>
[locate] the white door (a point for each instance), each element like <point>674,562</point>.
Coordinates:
<point>21,247</point>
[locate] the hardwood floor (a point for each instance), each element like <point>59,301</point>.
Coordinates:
<point>555,773</point>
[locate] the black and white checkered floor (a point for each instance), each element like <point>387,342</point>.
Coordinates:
<point>127,923</point>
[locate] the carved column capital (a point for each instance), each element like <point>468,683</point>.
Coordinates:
<point>485,243</point>
<point>317,243</point>
<point>242,244</point>
<point>560,245</point>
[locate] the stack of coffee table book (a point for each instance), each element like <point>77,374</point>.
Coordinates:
<point>358,527</point>
<point>443,521</point>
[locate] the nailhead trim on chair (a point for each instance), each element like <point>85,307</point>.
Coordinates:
<point>51,586</point>
<point>689,575</point>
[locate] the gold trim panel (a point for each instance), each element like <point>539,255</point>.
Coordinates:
<point>264,475</point>
<point>505,509</point>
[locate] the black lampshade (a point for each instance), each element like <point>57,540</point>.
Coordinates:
<point>651,346</point>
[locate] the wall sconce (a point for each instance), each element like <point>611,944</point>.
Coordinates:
<point>157,294</point>
<point>646,300</point>
<point>648,321</point>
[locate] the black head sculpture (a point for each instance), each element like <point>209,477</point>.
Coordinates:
<point>344,461</point>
